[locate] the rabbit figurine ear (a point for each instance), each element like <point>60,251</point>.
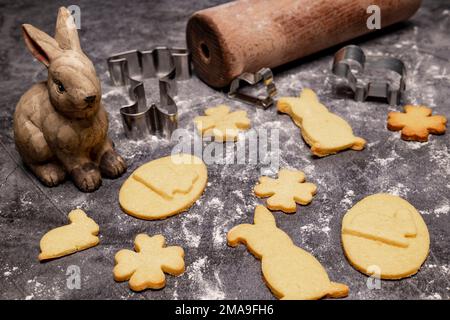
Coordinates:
<point>66,33</point>
<point>264,216</point>
<point>41,45</point>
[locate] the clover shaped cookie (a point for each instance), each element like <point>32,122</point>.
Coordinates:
<point>222,124</point>
<point>285,191</point>
<point>416,123</point>
<point>145,268</point>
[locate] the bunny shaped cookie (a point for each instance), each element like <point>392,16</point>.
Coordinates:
<point>325,132</point>
<point>290,272</point>
<point>60,125</point>
<point>79,235</point>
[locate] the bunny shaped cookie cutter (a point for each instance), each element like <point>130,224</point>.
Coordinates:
<point>130,69</point>
<point>353,56</point>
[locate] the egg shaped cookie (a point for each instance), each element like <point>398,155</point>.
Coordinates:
<point>163,187</point>
<point>385,234</point>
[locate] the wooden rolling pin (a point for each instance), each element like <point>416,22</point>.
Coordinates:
<point>244,36</point>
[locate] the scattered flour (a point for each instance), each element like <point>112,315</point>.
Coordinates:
<point>435,296</point>
<point>9,271</point>
<point>440,155</point>
<point>446,269</point>
<point>192,238</point>
<point>215,203</point>
<point>309,169</point>
<point>175,291</point>
<point>218,235</point>
<point>24,199</point>
<point>239,194</point>
<point>373,143</point>
<point>36,289</point>
<point>443,209</point>
<point>224,220</point>
<point>384,162</point>
<point>307,228</point>
<point>348,199</point>
<point>209,290</point>
<point>399,190</point>
<point>413,145</point>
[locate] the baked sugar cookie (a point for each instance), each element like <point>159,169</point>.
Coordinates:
<point>145,268</point>
<point>163,187</point>
<point>386,233</point>
<point>324,131</point>
<point>290,272</point>
<point>222,124</point>
<point>79,235</point>
<point>416,123</point>
<point>290,188</point>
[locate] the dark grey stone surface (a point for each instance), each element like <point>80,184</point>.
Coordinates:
<point>419,172</point>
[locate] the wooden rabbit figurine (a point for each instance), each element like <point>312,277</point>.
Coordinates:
<point>290,272</point>
<point>79,235</point>
<point>61,126</point>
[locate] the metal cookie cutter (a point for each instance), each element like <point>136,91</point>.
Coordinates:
<point>353,55</point>
<point>265,75</point>
<point>130,68</point>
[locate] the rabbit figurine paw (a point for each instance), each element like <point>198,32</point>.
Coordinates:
<point>112,165</point>
<point>50,174</point>
<point>87,177</point>
<point>60,125</point>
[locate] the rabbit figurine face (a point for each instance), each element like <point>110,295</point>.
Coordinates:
<point>61,126</point>
<point>73,86</point>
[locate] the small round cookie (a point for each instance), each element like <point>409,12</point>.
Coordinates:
<point>163,187</point>
<point>385,233</point>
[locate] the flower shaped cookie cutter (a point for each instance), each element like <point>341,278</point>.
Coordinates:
<point>351,59</point>
<point>130,68</point>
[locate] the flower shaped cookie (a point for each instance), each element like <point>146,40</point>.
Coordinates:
<point>222,124</point>
<point>145,268</point>
<point>416,123</point>
<point>285,191</point>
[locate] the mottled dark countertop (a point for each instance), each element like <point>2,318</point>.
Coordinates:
<point>419,172</point>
